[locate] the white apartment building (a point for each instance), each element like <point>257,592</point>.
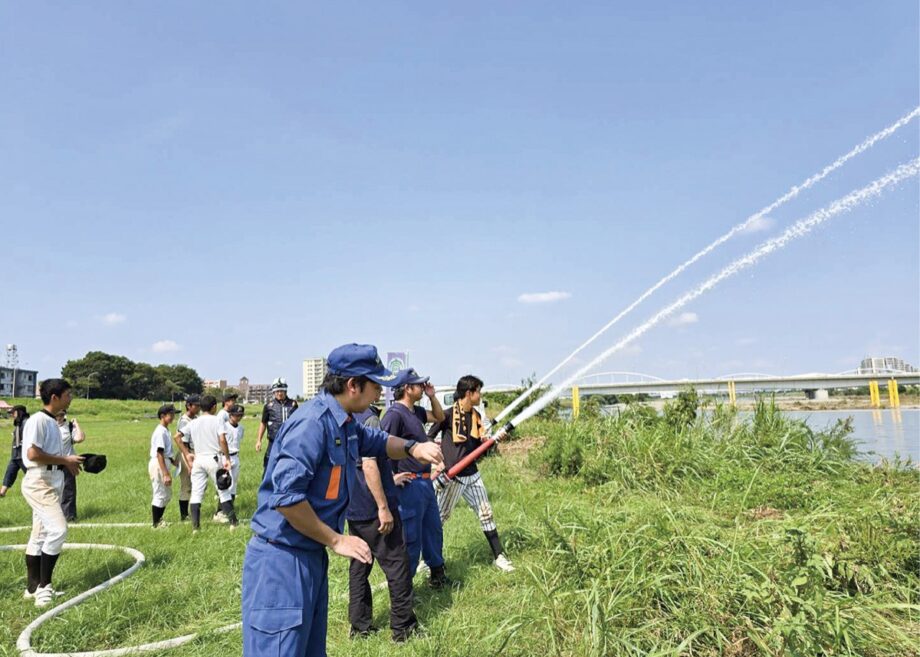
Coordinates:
<point>314,371</point>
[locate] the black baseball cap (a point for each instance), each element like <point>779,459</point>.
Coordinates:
<point>193,399</point>
<point>230,396</point>
<point>166,409</point>
<point>236,409</point>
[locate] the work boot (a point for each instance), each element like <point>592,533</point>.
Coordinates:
<point>354,633</point>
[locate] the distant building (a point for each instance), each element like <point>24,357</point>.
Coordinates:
<point>254,392</point>
<point>884,365</point>
<point>314,371</point>
<point>220,384</point>
<point>16,382</point>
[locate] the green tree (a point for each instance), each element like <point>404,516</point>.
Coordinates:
<point>183,376</point>
<point>111,372</point>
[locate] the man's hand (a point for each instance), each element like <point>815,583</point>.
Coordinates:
<point>190,460</point>
<point>400,478</point>
<point>427,453</point>
<point>429,389</point>
<point>167,480</point>
<point>351,547</point>
<point>227,464</point>
<point>73,463</point>
<point>258,444</point>
<point>386,521</point>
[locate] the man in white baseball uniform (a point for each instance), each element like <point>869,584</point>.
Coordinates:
<point>71,434</point>
<point>234,440</point>
<point>45,461</point>
<point>160,466</point>
<point>209,435</point>
<point>186,454</point>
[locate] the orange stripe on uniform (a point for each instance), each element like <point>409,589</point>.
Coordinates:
<point>332,491</point>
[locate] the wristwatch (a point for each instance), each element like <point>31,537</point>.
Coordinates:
<point>409,445</point>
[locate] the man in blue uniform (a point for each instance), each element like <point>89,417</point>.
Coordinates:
<point>302,503</point>
<point>418,504</point>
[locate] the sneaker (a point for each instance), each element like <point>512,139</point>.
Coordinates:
<point>220,517</point>
<point>28,596</point>
<point>44,596</point>
<point>422,568</point>
<point>161,525</point>
<point>504,564</point>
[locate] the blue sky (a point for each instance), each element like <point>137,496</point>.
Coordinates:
<point>238,186</point>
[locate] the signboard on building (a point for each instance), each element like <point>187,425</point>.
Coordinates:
<point>396,360</point>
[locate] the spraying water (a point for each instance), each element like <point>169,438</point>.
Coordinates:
<point>747,223</point>
<point>798,229</point>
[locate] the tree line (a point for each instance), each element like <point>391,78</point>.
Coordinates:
<point>108,376</point>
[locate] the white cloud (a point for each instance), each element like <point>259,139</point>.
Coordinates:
<point>543,297</point>
<point>164,346</point>
<point>760,224</point>
<point>114,318</point>
<point>684,319</point>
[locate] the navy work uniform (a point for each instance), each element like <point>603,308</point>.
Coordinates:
<point>285,580</point>
<point>274,414</point>
<point>418,504</point>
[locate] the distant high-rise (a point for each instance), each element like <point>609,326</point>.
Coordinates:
<point>314,371</point>
<point>884,365</point>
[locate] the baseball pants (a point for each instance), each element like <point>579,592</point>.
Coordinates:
<point>185,480</point>
<point>285,600</point>
<point>234,472</point>
<point>161,492</point>
<point>474,492</point>
<point>42,489</point>
<point>206,468</point>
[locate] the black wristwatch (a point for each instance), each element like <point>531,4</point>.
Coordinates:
<point>409,445</point>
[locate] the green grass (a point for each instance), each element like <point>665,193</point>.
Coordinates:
<point>631,537</point>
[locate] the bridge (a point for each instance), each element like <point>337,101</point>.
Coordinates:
<point>815,385</point>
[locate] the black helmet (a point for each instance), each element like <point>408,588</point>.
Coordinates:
<point>94,463</point>
<point>223,479</point>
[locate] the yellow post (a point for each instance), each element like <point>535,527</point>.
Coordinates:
<point>732,395</point>
<point>892,393</point>
<point>873,394</point>
<point>576,402</point>
<point>897,394</point>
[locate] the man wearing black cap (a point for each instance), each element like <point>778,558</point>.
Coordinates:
<point>274,414</point>
<point>302,503</point>
<point>186,453</point>
<point>229,402</point>
<point>418,503</point>
<point>161,463</point>
<point>20,415</point>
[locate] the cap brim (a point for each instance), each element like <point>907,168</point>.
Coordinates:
<point>387,379</point>
<point>418,379</point>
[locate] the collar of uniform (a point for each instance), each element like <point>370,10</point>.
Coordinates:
<point>339,414</point>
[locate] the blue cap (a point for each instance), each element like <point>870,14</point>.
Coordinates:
<point>414,377</point>
<point>362,360</point>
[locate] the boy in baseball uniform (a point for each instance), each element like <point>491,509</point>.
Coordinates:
<point>209,435</point>
<point>45,461</point>
<point>161,464</point>
<point>234,440</point>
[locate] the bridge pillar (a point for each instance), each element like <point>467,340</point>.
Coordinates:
<point>817,395</point>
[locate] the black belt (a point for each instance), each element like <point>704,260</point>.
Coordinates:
<point>54,467</point>
<point>233,453</point>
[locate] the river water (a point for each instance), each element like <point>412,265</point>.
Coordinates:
<point>879,433</point>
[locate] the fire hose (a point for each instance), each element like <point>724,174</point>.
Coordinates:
<point>449,475</point>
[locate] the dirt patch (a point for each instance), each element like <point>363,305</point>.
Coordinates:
<point>519,447</point>
<point>739,645</point>
<point>765,513</point>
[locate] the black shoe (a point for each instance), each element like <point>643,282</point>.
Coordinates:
<point>354,633</point>
<point>401,636</point>
<point>439,579</point>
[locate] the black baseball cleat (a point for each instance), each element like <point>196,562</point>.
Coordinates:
<point>354,633</point>
<point>401,636</point>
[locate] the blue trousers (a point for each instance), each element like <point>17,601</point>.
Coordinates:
<point>418,506</point>
<point>285,601</point>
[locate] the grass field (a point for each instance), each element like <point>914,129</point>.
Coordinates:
<point>631,537</point>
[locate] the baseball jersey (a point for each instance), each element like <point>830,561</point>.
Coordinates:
<point>223,415</point>
<point>181,428</point>
<point>66,430</point>
<point>205,430</point>
<point>160,439</point>
<point>42,431</point>
<point>234,437</point>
